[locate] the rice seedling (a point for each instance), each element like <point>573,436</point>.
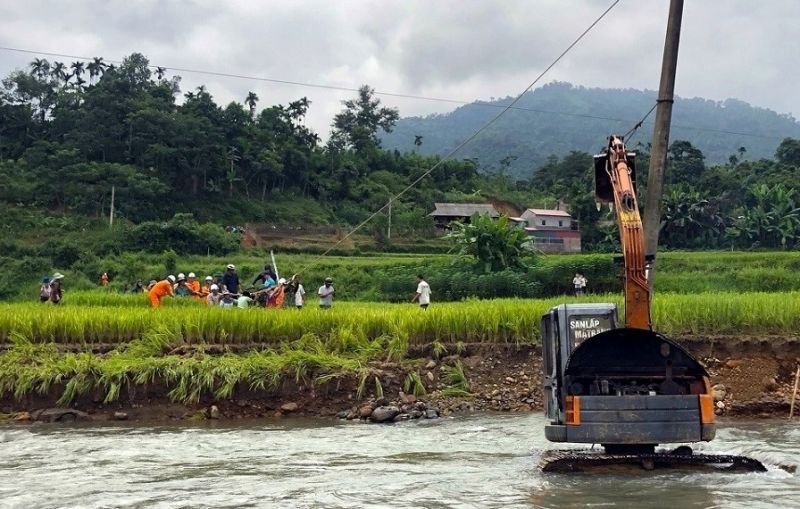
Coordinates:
<point>413,384</point>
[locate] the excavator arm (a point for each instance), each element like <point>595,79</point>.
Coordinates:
<point>615,176</point>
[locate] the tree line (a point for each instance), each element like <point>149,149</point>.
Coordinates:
<point>69,132</point>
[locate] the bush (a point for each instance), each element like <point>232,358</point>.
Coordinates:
<point>183,235</point>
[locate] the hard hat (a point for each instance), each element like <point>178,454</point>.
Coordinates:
<point>181,276</point>
<point>214,287</point>
<point>171,278</point>
<point>231,266</point>
<point>209,278</point>
<point>329,280</point>
<point>57,276</point>
<point>191,275</point>
<point>282,281</point>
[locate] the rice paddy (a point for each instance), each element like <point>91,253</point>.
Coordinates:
<point>309,346</point>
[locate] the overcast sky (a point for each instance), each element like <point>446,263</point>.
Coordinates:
<point>464,50</point>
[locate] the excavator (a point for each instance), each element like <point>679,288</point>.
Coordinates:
<point>625,388</point>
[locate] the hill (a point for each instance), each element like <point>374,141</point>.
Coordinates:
<point>569,117</point>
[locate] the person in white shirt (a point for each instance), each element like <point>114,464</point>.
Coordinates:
<point>326,293</point>
<point>579,282</point>
<point>299,293</point>
<point>423,295</point>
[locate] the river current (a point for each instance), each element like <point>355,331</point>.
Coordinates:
<point>477,461</point>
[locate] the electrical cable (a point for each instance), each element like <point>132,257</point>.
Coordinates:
<point>469,138</point>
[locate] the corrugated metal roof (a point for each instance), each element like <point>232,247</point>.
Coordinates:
<point>464,209</point>
<point>548,212</point>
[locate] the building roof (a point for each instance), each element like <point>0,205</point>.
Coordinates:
<point>464,209</point>
<point>549,212</point>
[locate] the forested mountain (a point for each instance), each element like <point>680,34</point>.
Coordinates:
<point>568,118</point>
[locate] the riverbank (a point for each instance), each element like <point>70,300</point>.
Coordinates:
<point>753,377</point>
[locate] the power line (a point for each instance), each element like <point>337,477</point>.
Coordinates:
<point>471,137</point>
<point>512,106</point>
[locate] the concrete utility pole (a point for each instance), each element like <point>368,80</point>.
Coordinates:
<point>389,228</point>
<point>658,150</point>
<point>111,212</point>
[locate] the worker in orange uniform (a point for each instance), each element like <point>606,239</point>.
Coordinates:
<point>104,279</point>
<point>160,290</point>
<point>194,285</point>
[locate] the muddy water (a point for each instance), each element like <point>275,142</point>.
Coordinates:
<point>482,461</point>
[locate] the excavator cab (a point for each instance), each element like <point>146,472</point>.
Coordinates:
<point>627,389</point>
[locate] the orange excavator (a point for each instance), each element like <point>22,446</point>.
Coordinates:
<point>625,387</point>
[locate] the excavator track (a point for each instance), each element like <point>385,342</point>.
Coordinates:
<point>565,461</point>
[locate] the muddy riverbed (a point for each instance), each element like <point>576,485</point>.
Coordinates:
<point>474,461</point>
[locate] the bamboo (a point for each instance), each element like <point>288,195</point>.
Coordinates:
<point>794,392</point>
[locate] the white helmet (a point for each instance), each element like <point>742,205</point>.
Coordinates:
<point>282,281</point>
<point>181,275</point>
<point>209,278</point>
<point>232,266</point>
<point>171,278</point>
<point>191,275</point>
<point>214,288</point>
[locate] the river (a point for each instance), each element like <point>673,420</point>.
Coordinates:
<point>477,461</point>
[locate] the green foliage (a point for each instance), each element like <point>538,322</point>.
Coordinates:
<point>182,235</point>
<point>495,245</point>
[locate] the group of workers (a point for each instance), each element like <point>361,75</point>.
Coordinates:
<point>225,290</point>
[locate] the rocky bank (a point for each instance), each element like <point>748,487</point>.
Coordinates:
<point>751,377</point>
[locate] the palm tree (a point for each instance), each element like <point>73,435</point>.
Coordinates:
<point>95,68</point>
<point>160,72</point>
<point>77,69</point>
<point>417,140</point>
<point>59,71</point>
<point>251,101</point>
<point>40,67</point>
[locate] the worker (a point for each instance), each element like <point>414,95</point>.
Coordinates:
<point>277,296</point>
<point>160,290</point>
<point>206,288</point>
<point>194,286</point>
<point>138,287</point>
<point>44,290</point>
<point>56,291</point>
<point>214,296</point>
<point>299,292</point>
<point>230,281</point>
<point>326,293</point>
<point>266,274</point>
<point>423,295</point>
<point>104,279</point>
<point>579,282</point>
<point>245,300</point>
<point>227,300</point>
<point>181,289</point>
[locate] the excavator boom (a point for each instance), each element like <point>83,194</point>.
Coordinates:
<point>615,183</point>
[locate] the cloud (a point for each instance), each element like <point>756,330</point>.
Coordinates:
<point>455,49</point>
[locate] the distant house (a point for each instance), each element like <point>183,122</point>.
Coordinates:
<point>551,231</point>
<point>446,213</point>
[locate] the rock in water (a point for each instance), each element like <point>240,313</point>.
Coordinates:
<point>384,413</point>
<point>290,407</point>
<point>401,417</point>
<point>120,416</point>
<point>365,411</point>
<point>342,415</point>
<point>59,415</point>
<point>431,413</point>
